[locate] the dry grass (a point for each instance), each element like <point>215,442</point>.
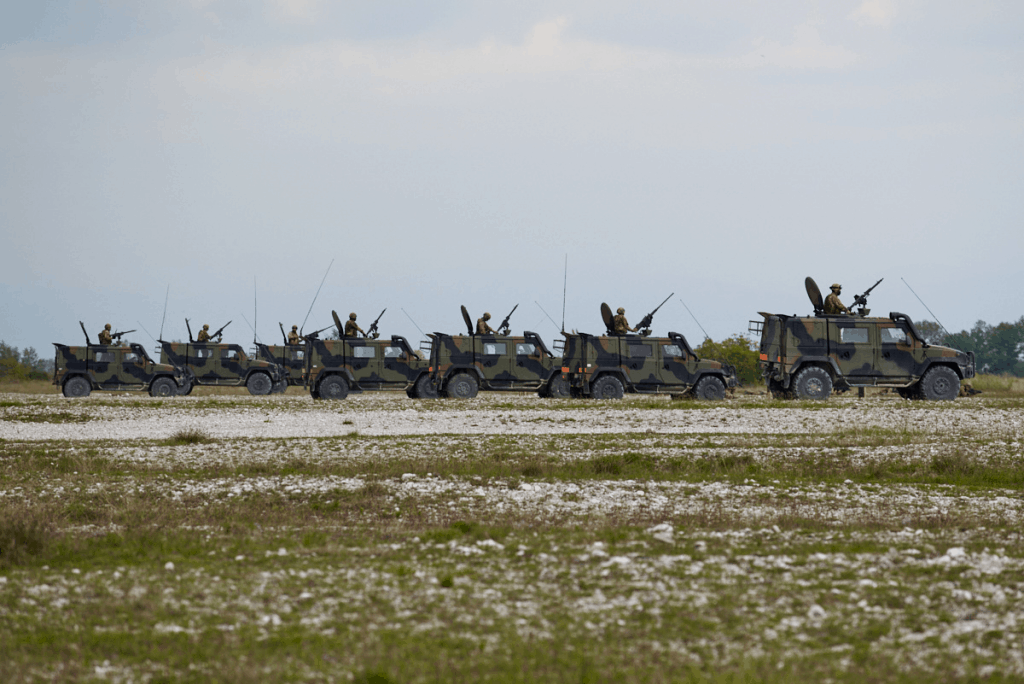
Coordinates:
<point>999,385</point>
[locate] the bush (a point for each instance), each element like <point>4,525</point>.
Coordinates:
<point>737,351</point>
<point>23,533</point>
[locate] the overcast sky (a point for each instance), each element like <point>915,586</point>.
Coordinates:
<point>449,153</point>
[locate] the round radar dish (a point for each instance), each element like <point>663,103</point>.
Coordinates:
<point>814,294</point>
<point>606,316</point>
<point>467,319</point>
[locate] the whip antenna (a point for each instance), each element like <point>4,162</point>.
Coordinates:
<point>315,296</point>
<point>948,334</point>
<point>694,318</point>
<point>166,295</point>
<point>546,314</point>
<point>565,282</point>
<point>414,322</point>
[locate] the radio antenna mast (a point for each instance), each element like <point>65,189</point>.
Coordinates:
<point>414,322</point>
<point>565,283</point>
<point>303,326</point>
<point>694,318</point>
<point>162,320</point>
<point>944,329</point>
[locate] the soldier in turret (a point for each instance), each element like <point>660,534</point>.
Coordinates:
<point>293,337</point>
<point>204,334</point>
<point>481,325</point>
<point>104,336</point>
<point>832,303</point>
<point>351,327</point>
<point>620,324</point>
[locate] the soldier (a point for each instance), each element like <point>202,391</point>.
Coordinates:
<point>293,336</point>
<point>832,303</point>
<point>351,327</point>
<point>105,335</point>
<point>204,334</point>
<point>481,325</point>
<point>620,323</point>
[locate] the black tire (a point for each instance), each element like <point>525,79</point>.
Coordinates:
<point>163,387</point>
<point>940,383</point>
<point>259,384</point>
<point>462,386</point>
<point>186,389</point>
<point>558,388</point>
<point>813,383</point>
<point>424,388</point>
<point>710,388</point>
<point>77,387</point>
<point>333,387</point>
<point>280,387</point>
<point>606,387</point>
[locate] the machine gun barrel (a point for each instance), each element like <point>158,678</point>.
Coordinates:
<point>220,330</point>
<point>313,335</point>
<point>646,321</point>
<point>119,335</point>
<point>372,332</point>
<point>862,299</point>
<point>504,323</point>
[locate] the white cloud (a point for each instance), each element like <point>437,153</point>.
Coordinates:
<point>876,12</point>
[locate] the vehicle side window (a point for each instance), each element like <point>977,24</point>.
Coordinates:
<point>525,349</point>
<point>204,353</point>
<point>364,352</point>
<point>105,357</point>
<point>297,355</point>
<point>494,348</point>
<point>853,335</point>
<point>229,354</point>
<point>893,335</point>
<point>640,351</point>
<point>393,353</point>
<point>671,350</point>
<point>131,357</point>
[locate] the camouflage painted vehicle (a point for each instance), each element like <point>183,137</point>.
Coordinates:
<point>462,365</point>
<point>108,367</point>
<point>290,361</point>
<point>810,356</point>
<point>358,364</point>
<point>220,364</point>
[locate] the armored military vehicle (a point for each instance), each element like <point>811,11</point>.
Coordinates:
<point>607,366</point>
<point>289,358</point>
<point>810,356</point>
<point>220,364</point>
<point>462,365</point>
<point>112,367</point>
<point>358,364</point>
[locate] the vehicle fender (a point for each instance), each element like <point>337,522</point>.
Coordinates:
<point>949,362</point>
<point>617,372</point>
<point>718,373</point>
<point>464,368</point>
<point>826,362</point>
<point>344,372</point>
<point>79,374</point>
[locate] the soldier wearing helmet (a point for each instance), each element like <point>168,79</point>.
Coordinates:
<point>481,325</point>
<point>620,324</point>
<point>293,336</point>
<point>204,334</point>
<point>352,328</point>
<point>104,336</point>
<point>832,303</point>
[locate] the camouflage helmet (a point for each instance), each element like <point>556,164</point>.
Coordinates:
<point>620,310</point>
<point>295,327</point>
<point>206,326</point>
<point>836,286</point>
<point>106,327</point>
<point>487,316</point>
<point>352,315</point>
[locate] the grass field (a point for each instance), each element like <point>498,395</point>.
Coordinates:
<point>511,539</point>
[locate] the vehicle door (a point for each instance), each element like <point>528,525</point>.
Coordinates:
<point>640,358</point>
<point>294,361</point>
<point>673,368</point>
<point>105,367</point>
<point>494,358</point>
<point>896,361</point>
<point>233,363</point>
<point>852,344</point>
<point>364,360</point>
<point>134,373</point>
<point>531,365</point>
<point>396,372</point>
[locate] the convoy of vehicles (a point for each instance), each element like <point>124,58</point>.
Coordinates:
<point>807,357</point>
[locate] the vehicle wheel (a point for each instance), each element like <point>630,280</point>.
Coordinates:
<point>259,384</point>
<point>333,387</point>
<point>606,387</point>
<point>813,383</point>
<point>425,389</point>
<point>462,386</point>
<point>163,387</point>
<point>940,384</point>
<point>777,391</point>
<point>186,389</point>
<point>710,388</point>
<point>77,387</point>
<point>280,387</point>
<point>558,388</point>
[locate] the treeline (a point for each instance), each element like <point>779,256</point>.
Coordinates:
<point>737,350</point>
<point>23,365</point>
<point>998,349</point>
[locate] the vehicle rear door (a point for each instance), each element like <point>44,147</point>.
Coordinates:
<point>364,360</point>
<point>494,358</point>
<point>852,344</point>
<point>105,367</point>
<point>202,362</point>
<point>639,356</point>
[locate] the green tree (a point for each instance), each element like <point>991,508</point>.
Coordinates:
<point>736,350</point>
<point>10,363</point>
<point>997,349</point>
